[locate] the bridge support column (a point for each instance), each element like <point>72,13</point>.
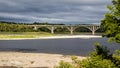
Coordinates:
<point>93,32</point>
<point>51,28</point>
<point>35,28</point>
<point>93,28</point>
<point>71,29</point>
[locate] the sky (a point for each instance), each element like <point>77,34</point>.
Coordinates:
<point>53,11</point>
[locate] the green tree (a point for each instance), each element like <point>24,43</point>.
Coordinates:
<point>111,22</point>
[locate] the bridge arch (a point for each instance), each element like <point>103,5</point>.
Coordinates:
<point>82,29</point>
<point>93,28</point>
<point>71,28</point>
<point>44,29</point>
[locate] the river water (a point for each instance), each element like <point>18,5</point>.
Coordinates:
<point>70,46</point>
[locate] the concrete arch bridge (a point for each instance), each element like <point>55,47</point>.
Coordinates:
<point>71,28</point>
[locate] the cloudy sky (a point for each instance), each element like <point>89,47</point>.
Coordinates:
<point>53,11</point>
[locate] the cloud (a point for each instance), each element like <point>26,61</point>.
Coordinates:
<point>53,11</point>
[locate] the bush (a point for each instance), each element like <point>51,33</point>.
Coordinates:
<point>99,58</point>
<point>63,64</point>
<point>97,62</point>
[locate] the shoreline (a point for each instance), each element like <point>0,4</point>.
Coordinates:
<point>56,37</point>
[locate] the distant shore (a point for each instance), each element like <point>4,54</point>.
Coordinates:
<point>56,37</point>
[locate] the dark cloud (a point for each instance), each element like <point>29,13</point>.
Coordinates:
<point>53,11</point>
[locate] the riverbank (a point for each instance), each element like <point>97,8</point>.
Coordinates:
<point>24,59</point>
<point>23,35</point>
<point>55,37</point>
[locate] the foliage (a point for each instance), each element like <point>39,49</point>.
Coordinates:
<point>44,29</point>
<point>99,58</point>
<point>101,51</point>
<point>82,29</point>
<point>64,65</point>
<point>61,30</point>
<point>16,36</point>
<point>111,22</point>
<point>9,27</point>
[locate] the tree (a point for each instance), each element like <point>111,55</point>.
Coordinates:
<point>111,22</point>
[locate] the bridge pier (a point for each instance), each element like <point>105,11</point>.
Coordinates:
<point>93,28</point>
<point>51,28</point>
<point>35,28</point>
<point>71,29</point>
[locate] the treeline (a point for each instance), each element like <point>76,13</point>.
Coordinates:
<point>45,23</point>
<point>21,27</point>
<point>13,27</point>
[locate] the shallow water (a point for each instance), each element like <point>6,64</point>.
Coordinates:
<point>73,46</point>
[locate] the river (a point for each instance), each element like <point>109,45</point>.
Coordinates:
<point>69,46</point>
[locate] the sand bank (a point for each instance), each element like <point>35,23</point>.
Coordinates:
<point>20,59</point>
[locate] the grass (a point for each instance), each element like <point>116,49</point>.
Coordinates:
<point>16,36</point>
<point>4,35</point>
<point>23,34</point>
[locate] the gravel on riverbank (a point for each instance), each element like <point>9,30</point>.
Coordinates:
<point>24,59</point>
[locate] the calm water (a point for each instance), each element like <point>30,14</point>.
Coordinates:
<point>72,46</point>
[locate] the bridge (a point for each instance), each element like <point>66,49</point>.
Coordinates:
<point>71,28</point>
